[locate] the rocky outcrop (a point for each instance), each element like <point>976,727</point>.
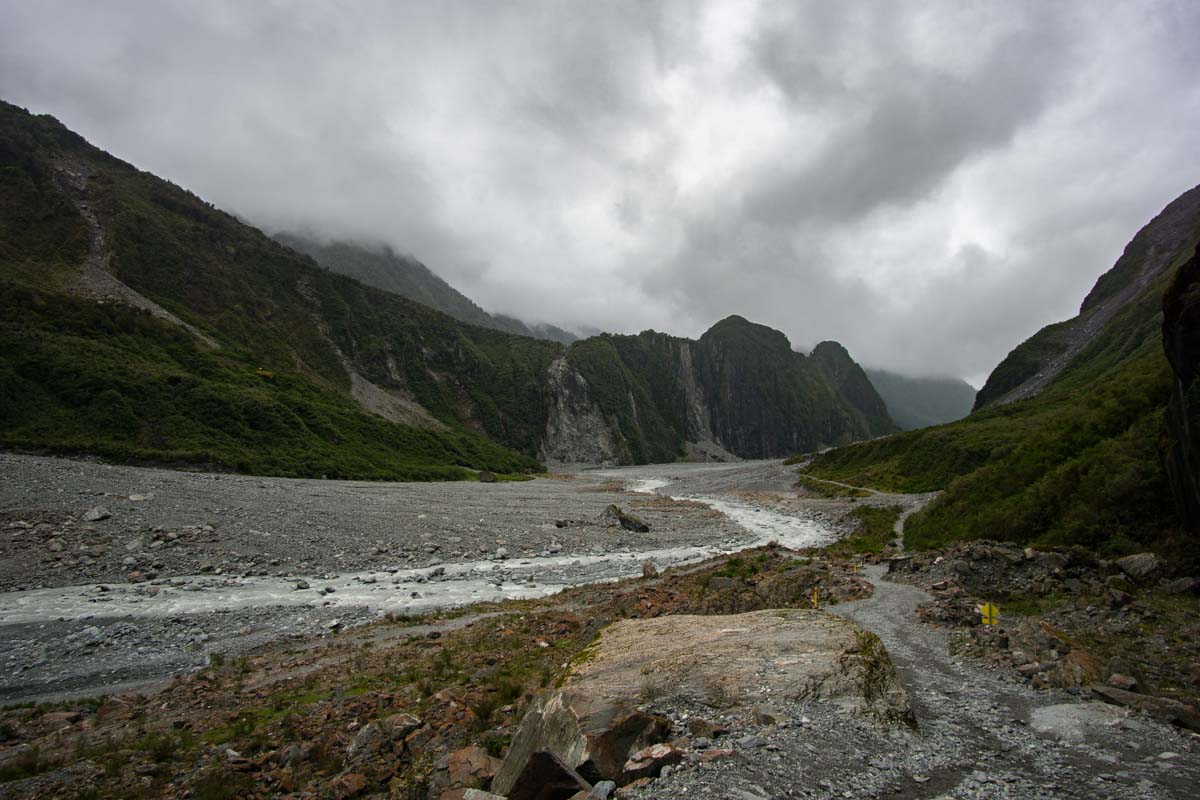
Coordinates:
<point>1181,340</point>
<point>740,391</point>
<point>576,431</point>
<point>594,725</point>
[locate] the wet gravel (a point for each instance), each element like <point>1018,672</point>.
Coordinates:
<point>116,578</point>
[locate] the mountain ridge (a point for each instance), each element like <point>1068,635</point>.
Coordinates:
<point>140,322</point>
<point>1034,363</point>
<point>382,267</point>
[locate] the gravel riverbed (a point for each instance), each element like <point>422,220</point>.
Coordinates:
<point>117,577</point>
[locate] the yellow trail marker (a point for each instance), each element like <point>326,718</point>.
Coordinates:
<point>991,614</point>
<point>854,566</point>
<point>816,603</point>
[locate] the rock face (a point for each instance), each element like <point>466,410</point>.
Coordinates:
<point>592,723</point>
<point>576,432</point>
<point>1029,368</point>
<point>1181,340</point>
<point>739,391</point>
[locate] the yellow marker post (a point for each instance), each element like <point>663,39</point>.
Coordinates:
<point>815,600</point>
<point>854,566</point>
<point>991,614</point>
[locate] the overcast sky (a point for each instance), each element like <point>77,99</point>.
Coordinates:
<point>927,183</point>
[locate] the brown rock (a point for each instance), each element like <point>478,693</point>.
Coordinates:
<point>1076,668</point>
<point>351,784</point>
<point>719,755</point>
<point>60,719</point>
<point>487,477</point>
<point>649,761</point>
<point>649,570</point>
<point>472,768</point>
<point>1124,682</point>
<point>1164,708</point>
<point>706,729</point>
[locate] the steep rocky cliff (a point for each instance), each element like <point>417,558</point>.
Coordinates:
<point>740,389</point>
<point>1034,364</point>
<point>1181,340</point>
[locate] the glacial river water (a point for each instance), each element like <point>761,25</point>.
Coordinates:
<point>412,590</point>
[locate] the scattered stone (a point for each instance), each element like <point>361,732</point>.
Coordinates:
<point>768,715</point>
<point>706,729</point>
<point>1126,682</point>
<point>1183,586</point>
<point>1164,708</point>
<point>600,791</point>
<point>649,570</point>
<point>301,585</point>
<point>471,768</point>
<point>96,514</point>
<point>351,784</point>
<point>708,756</point>
<point>487,477</point>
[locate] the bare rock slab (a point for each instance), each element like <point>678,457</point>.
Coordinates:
<point>742,659</point>
<point>593,723</point>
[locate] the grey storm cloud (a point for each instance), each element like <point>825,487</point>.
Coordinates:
<point>926,182</point>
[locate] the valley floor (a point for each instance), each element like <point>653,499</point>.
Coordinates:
<point>121,604</point>
<point>117,577</point>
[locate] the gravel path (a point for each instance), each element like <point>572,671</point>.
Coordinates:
<point>980,735</point>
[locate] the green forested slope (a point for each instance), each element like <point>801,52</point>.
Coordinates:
<point>274,397</point>
<point>1076,464</point>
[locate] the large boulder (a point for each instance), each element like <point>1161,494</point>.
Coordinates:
<point>614,515</point>
<point>591,734</point>
<point>1142,567</point>
<point>592,723</point>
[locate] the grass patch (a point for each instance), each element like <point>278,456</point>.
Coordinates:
<point>875,530</point>
<point>827,489</point>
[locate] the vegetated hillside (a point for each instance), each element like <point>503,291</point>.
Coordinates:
<point>1076,464</point>
<point>140,322</point>
<point>740,389</point>
<point>1033,364</point>
<point>385,269</point>
<point>921,402</point>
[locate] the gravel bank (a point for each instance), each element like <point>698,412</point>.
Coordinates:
<point>116,577</point>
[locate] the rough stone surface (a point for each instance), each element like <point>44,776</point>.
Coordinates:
<point>1181,341</point>
<point>738,659</point>
<point>1142,567</point>
<point>589,733</point>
